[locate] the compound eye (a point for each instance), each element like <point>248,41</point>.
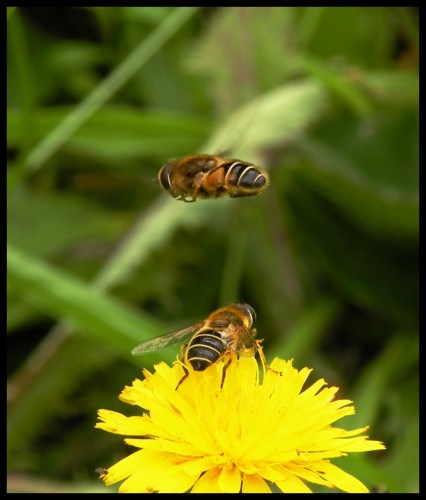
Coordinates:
<point>164,177</point>
<point>250,312</point>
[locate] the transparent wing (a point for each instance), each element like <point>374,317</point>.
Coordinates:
<point>169,339</point>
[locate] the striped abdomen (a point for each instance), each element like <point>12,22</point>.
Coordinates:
<point>204,349</point>
<point>244,179</point>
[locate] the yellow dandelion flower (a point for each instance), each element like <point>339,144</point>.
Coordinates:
<point>235,433</point>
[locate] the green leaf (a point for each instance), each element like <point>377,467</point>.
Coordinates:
<point>239,53</point>
<point>304,335</point>
<point>100,317</point>
<point>40,224</point>
<point>369,170</point>
<point>391,88</point>
<point>372,271</point>
<point>104,91</point>
<point>130,132</point>
<point>273,119</point>
<point>358,35</point>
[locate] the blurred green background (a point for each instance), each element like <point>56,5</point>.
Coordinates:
<point>100,258</point>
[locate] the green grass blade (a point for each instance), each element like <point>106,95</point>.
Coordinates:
<point>105,90</point>
<point>102,318</point>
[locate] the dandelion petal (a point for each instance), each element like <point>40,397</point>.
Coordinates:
<point>253,483</point>
<point>208,482</point>
<point>230,479</point>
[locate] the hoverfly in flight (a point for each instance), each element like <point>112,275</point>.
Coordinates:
<point>209,176</point>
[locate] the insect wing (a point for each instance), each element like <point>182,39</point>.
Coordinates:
<point>169,339</point>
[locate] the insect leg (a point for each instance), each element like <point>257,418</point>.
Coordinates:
<point>225,367</point>
<point>198,182</point>
<point>185,369</point>
<point>263,359</point>
<point>182,363</point>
